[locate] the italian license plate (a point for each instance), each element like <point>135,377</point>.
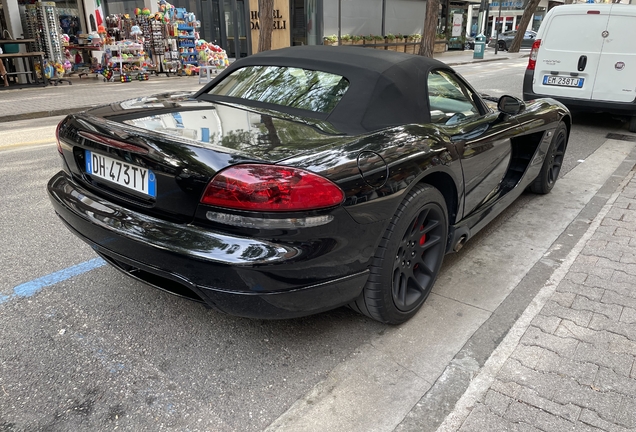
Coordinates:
<point>563,81</point>
<point>121,173</point>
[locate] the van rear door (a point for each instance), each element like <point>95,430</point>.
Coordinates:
<point>616,74</point>
<point>570,51</point>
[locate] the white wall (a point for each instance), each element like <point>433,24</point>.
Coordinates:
<point>359,17</point>
<point>405,16</point>
<point>363,17</point>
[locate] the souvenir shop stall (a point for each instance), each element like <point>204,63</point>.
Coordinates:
<point>166,42</point>
<point>124,48</point>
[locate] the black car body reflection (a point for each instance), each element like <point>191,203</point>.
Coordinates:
<point>283,188</point>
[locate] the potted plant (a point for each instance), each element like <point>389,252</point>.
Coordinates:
<point>440,43</point>
<point>399,39</point>
<point>345,39</point>
<point>357,40</point>
<point>390,38</point>
<point>368,40</point>
<point>379,40</point>
<point>413,41</point>
<point>330,40</point>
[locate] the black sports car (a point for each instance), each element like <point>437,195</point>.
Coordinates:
<point>303,179</point>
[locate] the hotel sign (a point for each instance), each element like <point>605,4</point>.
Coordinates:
<point>281,34</point>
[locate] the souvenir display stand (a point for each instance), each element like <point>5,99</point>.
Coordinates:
<point>42,22</point>
<point>43,25</point>
<point>130,58</point>
<point>187,44</point>
<point>154,32</point>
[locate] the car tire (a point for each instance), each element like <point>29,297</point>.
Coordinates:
<point>408,258</point>
<point>553,161</point>
<point>632,124</point>
<point>502,46</point>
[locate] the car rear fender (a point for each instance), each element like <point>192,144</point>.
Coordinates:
<point>375,170</point>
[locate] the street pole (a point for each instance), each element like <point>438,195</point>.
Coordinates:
<point>498,28</point>
<point>480,17</point>
<point>339,22</point>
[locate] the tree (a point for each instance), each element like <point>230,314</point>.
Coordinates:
<point>266,18</point>
<point>430,28</point>
<point>531,7</point>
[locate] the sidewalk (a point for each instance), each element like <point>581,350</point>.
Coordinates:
<point>569,362</point>
<point>20,104</point>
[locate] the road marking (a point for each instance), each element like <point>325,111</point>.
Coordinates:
<point>27,289</point>
<point>28,143</point>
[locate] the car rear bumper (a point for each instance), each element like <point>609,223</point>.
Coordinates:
<point>619,108</point>
<point>232,274</point>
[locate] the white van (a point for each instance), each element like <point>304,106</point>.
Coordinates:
<point>585,57</point>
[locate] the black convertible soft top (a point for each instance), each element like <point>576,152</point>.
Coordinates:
<point>386,88</point>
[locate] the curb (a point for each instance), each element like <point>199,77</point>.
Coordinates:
<point>475,61</point>
<point>42,114</point>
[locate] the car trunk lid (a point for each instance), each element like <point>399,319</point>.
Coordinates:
<point>158,154</point>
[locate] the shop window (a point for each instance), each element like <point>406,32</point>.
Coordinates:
<point>122,6</point>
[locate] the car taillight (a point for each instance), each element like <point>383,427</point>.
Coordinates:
<point>57,137</point>
<point>270,188</point>
<point>534,52</point>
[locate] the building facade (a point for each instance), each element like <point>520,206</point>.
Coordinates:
<point>234,24</point>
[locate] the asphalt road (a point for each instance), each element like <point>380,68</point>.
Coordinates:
<point>96,350</point>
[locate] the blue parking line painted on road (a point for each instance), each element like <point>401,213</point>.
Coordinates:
<point>27,289</point>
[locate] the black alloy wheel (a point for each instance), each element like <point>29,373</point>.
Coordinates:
<point>467,46</point>
<point>553,161</point>
<point>502,45</point>
<point>408,258</point>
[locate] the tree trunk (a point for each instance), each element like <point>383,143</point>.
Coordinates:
<point>266,21</point>
<point>430,28</point>
<point>523,25</point>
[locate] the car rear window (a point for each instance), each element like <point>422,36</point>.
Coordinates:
<point>291,87</point>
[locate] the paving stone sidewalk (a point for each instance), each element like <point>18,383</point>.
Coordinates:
<point>574,368</point>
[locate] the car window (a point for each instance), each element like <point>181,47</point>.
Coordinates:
<point>292,87</point>
<point>450,102</point>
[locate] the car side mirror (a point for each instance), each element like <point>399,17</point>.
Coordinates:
<point>510,105</point>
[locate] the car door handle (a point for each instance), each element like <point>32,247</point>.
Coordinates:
<point>582,63</point>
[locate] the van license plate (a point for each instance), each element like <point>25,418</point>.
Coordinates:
<point>562,81</point>
<point>121,173</point>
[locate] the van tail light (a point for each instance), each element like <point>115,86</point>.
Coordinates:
<point>270,188</point>
<point>534,52</point>
<point>57,136</point>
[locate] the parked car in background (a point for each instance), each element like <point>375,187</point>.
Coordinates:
<point>584,57</point>
<point>505,39</point>
<point>303,179</point>
<point>459,42</point>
